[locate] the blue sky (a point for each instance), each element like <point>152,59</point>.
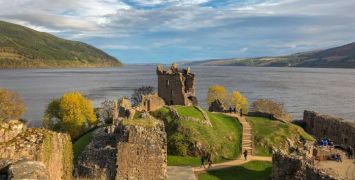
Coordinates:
<point>163,31</point>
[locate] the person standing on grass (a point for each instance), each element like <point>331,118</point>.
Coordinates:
<point>245,154</point>
<point>209,159</point>
<point>202,162</point>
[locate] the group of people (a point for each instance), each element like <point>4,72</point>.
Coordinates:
<point>325,142</point>
<point>209,161</point>
<point>233,110</point>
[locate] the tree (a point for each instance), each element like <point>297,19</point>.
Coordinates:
<point>271,107</point>
<point>217,92</point>
<point>139,92</point>
<point>239,101</point>
<point>11,105</point>
<point>72,113</point>
<point>105,112</point>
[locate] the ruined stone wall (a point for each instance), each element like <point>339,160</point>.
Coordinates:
<point>98,160</point>
<point>176,87</point>
<point>150,102</point>
<point>142,152</point>
<point>125,152</point>
<point>336,129</point>
<point>293,167</point>
<point>52,149</point>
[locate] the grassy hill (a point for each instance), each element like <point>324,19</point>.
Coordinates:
<point>22,47</point>
<point>338,57</point>
<point>188,135</point>
<point>270,134</point>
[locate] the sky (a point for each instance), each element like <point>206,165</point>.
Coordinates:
<point>164,31</point>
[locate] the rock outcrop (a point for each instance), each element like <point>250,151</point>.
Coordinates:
<point>295,167</point>
<point>336,129</point>
<point>176,87</point>
<point>18,143</point>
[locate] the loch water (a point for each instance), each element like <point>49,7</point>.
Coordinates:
<point>329,91</point>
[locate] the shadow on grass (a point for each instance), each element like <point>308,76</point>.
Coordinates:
<point>253,170</point>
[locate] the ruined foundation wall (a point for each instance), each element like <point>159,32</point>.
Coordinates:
<point>151,102</point>
<point>292,167</point>
<point>98,160</point>
<point>52,149</point>
<point>142,152</point>
<point>336,129</point>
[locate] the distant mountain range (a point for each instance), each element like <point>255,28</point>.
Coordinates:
<point>22,47</point>
<point>338,57</point>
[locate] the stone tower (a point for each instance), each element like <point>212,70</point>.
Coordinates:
<point>176,87</point>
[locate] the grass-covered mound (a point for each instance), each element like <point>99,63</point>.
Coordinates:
<point>252,170</point>
<point>189,135</point>
<point>270,134</point>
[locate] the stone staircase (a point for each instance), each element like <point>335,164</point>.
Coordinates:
<point>247,137</point>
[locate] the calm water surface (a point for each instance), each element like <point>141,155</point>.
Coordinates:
<point>330,91</point>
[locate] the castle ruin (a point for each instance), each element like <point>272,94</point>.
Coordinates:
<point>176,87</point>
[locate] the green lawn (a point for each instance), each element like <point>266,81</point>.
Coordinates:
<point>249,171</point>
<point>189,111</point>
<point>80,144</point>
<point>268,133</point>
<point>183,161</point>
<point>223,139</point>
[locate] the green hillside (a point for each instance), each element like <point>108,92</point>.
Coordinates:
<point>22,47</point>
<point>338,57</point>
<point>270,135</point>
<point>189,135</point>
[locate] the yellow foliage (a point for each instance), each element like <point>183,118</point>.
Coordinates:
<point>73,111</point>
<point>217,92</point>
<point>11,105</point>
<point>239,101</point>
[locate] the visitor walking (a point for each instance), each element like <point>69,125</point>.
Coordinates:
<point>245,153</point>
<point>350,152</point>
<point>209,160</point>
<point>241,112</point>
<point>202,162</point>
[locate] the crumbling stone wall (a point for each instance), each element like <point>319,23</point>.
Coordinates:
<point>216,106</point>
<point>176,87</point>
<point>294,167</point>
<point>98,160</point>
<point>125,152</point>
<point>336,129</point>
<point>52,149</point>
<point>150,102</point>
<point>125,109</point>
<point>142,152</point>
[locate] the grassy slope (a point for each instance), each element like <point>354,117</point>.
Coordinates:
<point>269,134</point>
<point>80,144</point>
<point>223,139</point>
<point>252,170</point>
<point>22,47</point>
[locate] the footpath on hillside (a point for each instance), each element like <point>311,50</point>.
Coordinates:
<point>247,144</point>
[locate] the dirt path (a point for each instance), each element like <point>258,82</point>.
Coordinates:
<point>231,163</point>
<point>247,144</point>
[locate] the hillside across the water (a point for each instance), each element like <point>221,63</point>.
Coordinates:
<point>22,47</point>
<point>338,57</point>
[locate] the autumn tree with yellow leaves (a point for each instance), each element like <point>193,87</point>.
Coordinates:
<point>11,105</point>
<point>217,92</point>
<point>239,101</point>
<point>72,113</point>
